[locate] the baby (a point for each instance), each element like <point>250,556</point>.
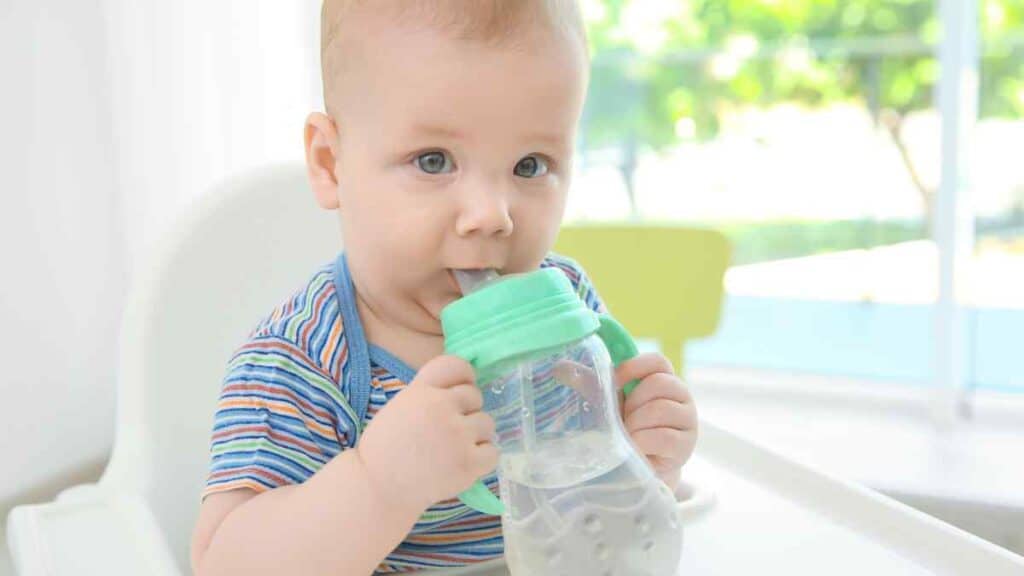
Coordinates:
<point>343,433</point>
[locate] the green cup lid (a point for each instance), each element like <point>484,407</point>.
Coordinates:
<point>516,315</point>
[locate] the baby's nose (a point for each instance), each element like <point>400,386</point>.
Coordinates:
<point>485,212</point>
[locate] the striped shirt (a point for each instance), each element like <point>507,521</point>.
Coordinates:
<point>304,386</point>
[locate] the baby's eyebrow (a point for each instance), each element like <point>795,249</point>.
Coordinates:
<point>554,138</point>
<point>436,130</point>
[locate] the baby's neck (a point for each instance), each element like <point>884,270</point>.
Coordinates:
<point>413,347</point>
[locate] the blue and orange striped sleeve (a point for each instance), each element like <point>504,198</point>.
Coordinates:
<point>279,419</point>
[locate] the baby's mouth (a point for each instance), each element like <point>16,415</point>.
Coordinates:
<point>466,280</point>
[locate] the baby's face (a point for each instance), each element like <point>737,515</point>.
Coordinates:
<point>452,155</point>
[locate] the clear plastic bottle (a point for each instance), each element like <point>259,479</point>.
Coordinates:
<point>577,498</point>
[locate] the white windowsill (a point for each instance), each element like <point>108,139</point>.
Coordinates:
<point>875,433</point>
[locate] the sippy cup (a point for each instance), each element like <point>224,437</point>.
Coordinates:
<point>577,498</point>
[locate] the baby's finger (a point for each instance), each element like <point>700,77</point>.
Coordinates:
<point>666,443</point>
<point>446,372</point>
<point>580,377</point>
<point>484,459</point>
<point>482,426</point>
<point>662,413</point>
<point>656,386</point>
<point>577,376</point>
<point>641,367</point>
<point>662,465</point>
<point>467,398</point>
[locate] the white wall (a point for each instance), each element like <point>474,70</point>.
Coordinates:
<point>63,266</point>
<point>114,114</point>
<point>202,89</point>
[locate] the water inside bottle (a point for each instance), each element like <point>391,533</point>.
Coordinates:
<point>563,462</point>
<point>577,506</point>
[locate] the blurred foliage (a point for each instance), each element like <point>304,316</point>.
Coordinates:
<point>763,241</point>
<point>666,70</point>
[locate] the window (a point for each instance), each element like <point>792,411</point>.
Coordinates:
<point>809,132</point>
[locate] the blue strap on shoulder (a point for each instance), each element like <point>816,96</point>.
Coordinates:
<point>359,364</point>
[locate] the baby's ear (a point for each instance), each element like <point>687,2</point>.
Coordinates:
<point>321,136</point>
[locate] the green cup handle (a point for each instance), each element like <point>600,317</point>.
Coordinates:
<point>620,344</point>
<point>479,498</point>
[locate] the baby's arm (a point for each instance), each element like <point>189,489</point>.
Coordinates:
<point>337,522</point>
<point>429,443</point>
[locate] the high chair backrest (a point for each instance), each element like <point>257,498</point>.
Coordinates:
<point>663,282</point>
<point>239,251</point>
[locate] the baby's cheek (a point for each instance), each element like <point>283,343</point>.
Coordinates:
<point>530,244</point>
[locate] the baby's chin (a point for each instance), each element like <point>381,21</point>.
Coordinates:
<point>445,300</point>
<point>432,307</point>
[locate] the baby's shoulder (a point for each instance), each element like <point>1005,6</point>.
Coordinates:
<point>309,319</point>
<point>571,268</point>
<point>581,283</point>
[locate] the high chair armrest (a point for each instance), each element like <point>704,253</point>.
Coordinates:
<point>88,530</point>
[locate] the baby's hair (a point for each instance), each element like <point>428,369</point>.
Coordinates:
<point>489,21</point>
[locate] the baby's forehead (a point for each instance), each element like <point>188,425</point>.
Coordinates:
<point>349,28</point>
<point>481,20</point>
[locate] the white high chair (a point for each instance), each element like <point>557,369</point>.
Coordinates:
<point>242,248</point>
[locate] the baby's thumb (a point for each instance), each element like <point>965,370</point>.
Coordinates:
<point>446,372</point>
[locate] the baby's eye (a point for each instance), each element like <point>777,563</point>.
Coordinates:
<point>531,167</point>
<point>434,163</point>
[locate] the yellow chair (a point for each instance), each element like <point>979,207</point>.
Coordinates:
<point>662,282</point>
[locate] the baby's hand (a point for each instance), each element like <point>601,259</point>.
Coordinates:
<point>432,440</point>
<point>659,414</point>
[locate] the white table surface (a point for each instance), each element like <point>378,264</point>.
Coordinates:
<point>771,515</point>
<point>753,530</point>
<point>776,516</point>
